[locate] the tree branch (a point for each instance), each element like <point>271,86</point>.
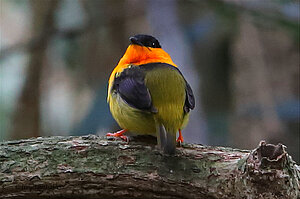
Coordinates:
<point>95,167</point>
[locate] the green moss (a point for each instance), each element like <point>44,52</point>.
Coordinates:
<point>214,168</point>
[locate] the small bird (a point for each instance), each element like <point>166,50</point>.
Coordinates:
<point>148,95</point>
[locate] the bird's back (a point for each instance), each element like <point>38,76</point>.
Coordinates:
<point>167,89</point>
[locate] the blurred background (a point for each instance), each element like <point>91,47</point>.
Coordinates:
<point>240,57</point>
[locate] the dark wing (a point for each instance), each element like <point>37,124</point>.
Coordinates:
<point>190,99</point>
<point>132,89</point>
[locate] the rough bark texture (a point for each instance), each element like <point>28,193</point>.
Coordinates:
<point>95,167</point>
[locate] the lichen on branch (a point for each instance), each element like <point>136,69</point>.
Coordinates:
<point>94,167</point>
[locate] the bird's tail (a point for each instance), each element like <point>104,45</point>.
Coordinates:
<point>166,140</point>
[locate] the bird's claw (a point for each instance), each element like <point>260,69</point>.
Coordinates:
<point>180,138</point>
<point>119,134</point>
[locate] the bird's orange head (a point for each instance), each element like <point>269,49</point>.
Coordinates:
<point>143,49</point>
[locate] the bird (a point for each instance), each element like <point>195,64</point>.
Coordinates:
<point>148,95</point>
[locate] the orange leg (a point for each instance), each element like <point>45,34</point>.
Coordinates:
<point>119,134</point>
<point>180,138</point>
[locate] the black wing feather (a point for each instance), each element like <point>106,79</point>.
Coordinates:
<point>131,87</point>
<point>190,99</point>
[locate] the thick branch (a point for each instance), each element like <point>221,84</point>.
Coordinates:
<point>95,167</point>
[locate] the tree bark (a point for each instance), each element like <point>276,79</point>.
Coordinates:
<point>96,167</point>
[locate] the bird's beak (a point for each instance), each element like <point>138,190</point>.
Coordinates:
<point>133,40</point>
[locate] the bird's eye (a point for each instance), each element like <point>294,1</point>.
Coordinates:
<point>153,44</point>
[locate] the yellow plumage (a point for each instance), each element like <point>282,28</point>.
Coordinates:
<point>167,89</point>
<point>147,93</point>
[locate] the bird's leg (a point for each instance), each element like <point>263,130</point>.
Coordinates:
<point>180,138</point>
<point>119,134</point>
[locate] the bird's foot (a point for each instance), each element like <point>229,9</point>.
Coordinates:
<point>180,138</point>
<point>119,134</point>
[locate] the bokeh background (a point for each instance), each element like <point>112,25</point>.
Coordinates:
<point>240,57</point>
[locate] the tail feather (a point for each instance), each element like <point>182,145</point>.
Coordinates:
<point>166,140</point>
